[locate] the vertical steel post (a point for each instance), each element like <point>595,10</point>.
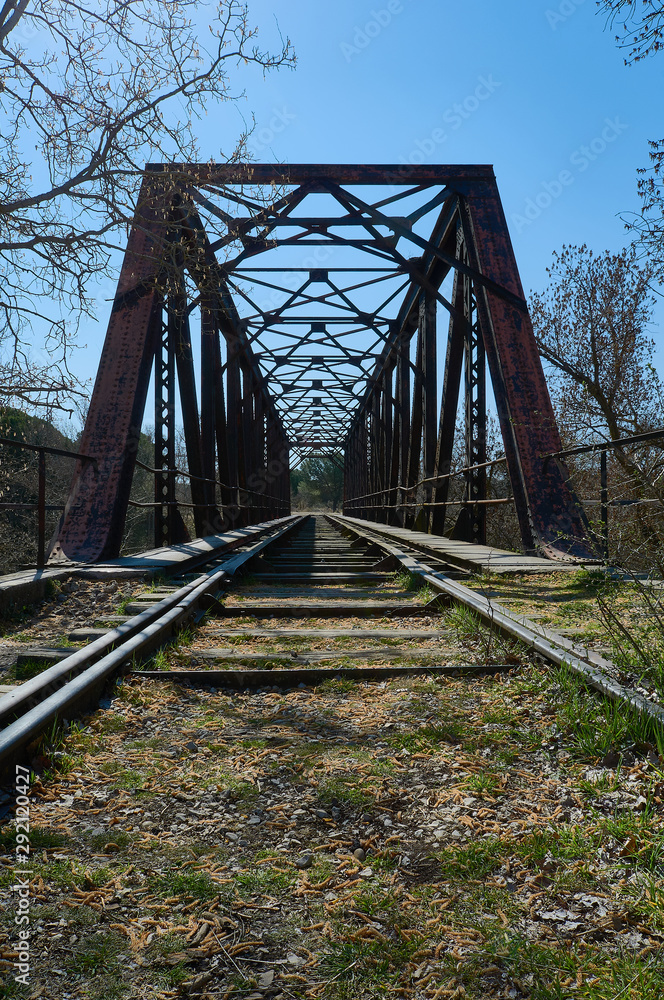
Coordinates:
<point>403,419</point>
<point>246,453</point>
<point>285,476</point>
<point>363,455</point>
<point>604,504</point>
<point>41,509</point>
<point>427,319</point>
<point>415,449</point>
<point>180,335</point>
<point>257,478</point>
<point>208,414</point>
<point>449,403</point>
<point>220,425</point>
<point>350,470</point>
<point>164,435</point>
<point>387,417</point>
<point>395,431</point>
<point>375,453</point>
<point>234,426</point>
<point>475,411</point>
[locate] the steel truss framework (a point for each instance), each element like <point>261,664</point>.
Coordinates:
<point>317,291</point>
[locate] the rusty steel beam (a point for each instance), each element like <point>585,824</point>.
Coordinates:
<point>93,521</point>
<point>427,320</point>
<point>448,404</point>
<point>180,174</point>
<point>305,360</point>
<point>551,518</point>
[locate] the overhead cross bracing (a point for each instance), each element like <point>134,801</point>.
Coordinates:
<point>318,280</point>
<point>317,289</point>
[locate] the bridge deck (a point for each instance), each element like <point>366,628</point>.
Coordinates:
<point>29,585</point>
<point>467,555</point>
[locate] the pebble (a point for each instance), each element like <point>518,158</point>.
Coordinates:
<point>304,861</point>
<point>359,854</point>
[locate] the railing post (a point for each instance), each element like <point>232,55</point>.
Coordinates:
<point>41,511</point>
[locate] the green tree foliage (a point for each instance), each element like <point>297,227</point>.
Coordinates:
<point>318,482</point>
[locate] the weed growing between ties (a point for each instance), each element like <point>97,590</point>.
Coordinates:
<point>54,752</point>
<point>615,614</point>
<point>595,727</point>
<point>412,583</point>
<point>486,645</point>
<point>27,669</point>
<point>633,616</point>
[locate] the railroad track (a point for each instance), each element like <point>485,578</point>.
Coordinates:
<point>302,570</point>
<point>295,808</point>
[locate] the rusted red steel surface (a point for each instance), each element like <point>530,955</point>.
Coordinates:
<point>389,430</point>
<point>341,173</point>
<point>93,521</point>
<point>551,513</point>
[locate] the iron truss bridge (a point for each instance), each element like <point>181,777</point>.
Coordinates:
<point>281,311</point>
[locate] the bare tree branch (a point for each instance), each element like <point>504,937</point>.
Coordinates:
<point>88,93</point>
<point>642,23</point>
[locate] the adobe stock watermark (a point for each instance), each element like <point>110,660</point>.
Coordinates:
<point>580,160</point>
<point>453,117</point>
<point>562,13</point>
<point>364,34</point>
<point>261,140</point>
<point>22,875</point>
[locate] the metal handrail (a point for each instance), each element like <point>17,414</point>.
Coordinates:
<point>43,450</point>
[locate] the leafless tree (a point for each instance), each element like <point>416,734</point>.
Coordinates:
<point>591,326</point>
<point>88,93</point>
<point>641,25</point>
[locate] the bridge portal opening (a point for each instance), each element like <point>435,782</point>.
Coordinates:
<point>284,311</point>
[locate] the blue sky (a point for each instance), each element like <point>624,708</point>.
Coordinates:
<point>532,87</point>
<point>536,88</point>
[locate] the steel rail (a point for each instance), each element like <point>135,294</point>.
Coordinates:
<point>555,648</point>
<point>67,684</point>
